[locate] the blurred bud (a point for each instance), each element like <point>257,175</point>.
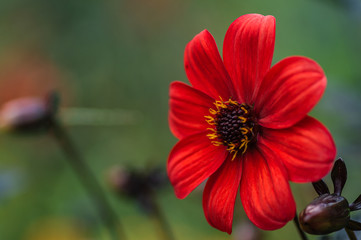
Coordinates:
<point>137,185</point>
<point>325,214</point>
<point>28,114</point>
<point>23,114</point>
<point>118,179</point>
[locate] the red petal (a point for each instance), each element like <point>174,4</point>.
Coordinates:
<point>248,51</point>
<point>306,149</point>
<point>191,161</point>
<point>188,107</point>
<point>289,91</point>
<point>220,194</point>
<point>265,193</point>
<point>204,67</point>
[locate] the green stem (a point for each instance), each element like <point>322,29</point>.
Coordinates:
<point>300,232</point>
<point>351,235</point>
<point>166,231</point>
<point>89,181</point>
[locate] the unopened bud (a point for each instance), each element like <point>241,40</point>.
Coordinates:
<point>138,185</point>
<point>24,114</point>
<point>118,178</point>
<point>326,214</point>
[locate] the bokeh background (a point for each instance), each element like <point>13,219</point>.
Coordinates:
<point>112,63</point>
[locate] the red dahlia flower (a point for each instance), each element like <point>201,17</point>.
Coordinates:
<point>244,124</point>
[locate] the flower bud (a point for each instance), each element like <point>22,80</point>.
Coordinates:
<point>326,214</point>
<point>24,114</point>
<point>138,185</point>
<point>118,179</point>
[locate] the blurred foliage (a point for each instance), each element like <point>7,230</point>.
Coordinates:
<point>123,55</point>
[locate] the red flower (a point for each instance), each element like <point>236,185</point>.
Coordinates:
<point>245,124</point>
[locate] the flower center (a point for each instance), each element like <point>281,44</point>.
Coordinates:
<point>233,125</point>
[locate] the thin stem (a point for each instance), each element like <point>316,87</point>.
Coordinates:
<point>302,234</point>
<point>88,180</point>
<point>351,235</point>
<point>162,222</point>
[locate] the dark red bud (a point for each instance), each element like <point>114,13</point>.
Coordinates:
<point>118,178</point>
<point>24,114</point>
<point>326,214</point>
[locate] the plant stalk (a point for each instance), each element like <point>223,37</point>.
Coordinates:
<point>351,235</point>
<point>163,225</point>
<point>89,181</point>
<point>300,232</point>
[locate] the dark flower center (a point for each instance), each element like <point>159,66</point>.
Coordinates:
<point>233,125</point>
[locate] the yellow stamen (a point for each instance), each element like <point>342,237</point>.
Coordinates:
<point>220,104</point>
<point>217,143</point>
<point>233,102</point>
<point>231,147</point>
<point>245,147</point>
<point>243,119</point>
<point>244,110</point>
<point>210,120</point>
<point>245,126</point>
<point>244,144</point>
<point>234,154</point>
<point>212,136</point>
<point>212,111</point>
<point>244,131</point>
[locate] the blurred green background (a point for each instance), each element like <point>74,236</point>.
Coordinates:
<point>121,56</point>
